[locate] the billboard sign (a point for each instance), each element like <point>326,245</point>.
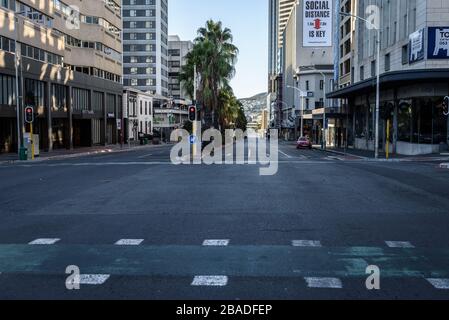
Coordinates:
<point>438,47</point>
<point>416,46</point>
<point>317,23</point>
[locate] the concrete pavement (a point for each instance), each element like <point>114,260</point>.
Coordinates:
<point>321,216</point>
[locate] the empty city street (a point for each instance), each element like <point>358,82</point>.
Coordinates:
<point>137,226</point>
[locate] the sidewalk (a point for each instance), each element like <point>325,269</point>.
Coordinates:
<point>369,155</point>
<point>77,152</point>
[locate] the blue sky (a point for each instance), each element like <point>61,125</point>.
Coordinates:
<point>248,20</point>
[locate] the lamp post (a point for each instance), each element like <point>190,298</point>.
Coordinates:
<point>18,97</point>
<point>302,94</point>
<point>377,28</point>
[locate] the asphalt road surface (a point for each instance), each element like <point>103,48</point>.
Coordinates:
<point>137,226</point>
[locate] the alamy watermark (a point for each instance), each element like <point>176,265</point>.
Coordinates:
<point>189,149</point>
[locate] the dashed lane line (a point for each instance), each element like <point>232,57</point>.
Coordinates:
<point>210,281</point>
<point>44,241</point>
<point>129,242</point>
<point>306,243</point>
<point>440,284</point>
<point>324,283</point>
<point>216,243</point>
<point>93,279</point>
<point>399,244</point>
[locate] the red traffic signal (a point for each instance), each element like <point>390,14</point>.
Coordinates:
<point>29,115</point>
<point>192,113</point>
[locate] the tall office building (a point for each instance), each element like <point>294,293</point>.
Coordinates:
<point>145,45</point>
<point>69,71</point>
<point>272,39</point>
<point>279,12</point>
<point>177,52</point>
<point>284,11</point>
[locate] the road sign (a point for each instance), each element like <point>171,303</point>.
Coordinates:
<point>193,139</point>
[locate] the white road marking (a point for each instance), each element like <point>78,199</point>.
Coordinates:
<point>216,243</point>
<point>440,284</point>
<point>399,244</point>
<point>306,243</point>
<point>129,242</point>
<point>44,241</point>
<point>324,283</point>
<point>93,279</point>
<point>210,281</point>
<point>283,153</point>
<point>145,156</point>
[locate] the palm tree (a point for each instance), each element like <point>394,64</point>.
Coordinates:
<point>215,56</point>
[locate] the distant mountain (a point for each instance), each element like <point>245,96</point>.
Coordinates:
<point>254,105</point>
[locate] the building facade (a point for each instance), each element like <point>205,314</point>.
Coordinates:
<point>169,115</point>
<point>308,73</point>
<point>414,76</point>
<point>177,52</point>
<point>145,45</point>
<point>69,70</point>
<point>137,113</point>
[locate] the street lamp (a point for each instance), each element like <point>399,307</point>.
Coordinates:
<point>279,112</point>
<point>302,94</point>
<point>377,28</point>
<point>18,98</point>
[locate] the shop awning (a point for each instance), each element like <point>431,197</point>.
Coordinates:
<point>391,79</point>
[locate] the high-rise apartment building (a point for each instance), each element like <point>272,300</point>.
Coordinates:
<point>145,45</point>
<point>69,55</point>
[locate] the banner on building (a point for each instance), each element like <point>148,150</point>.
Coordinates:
<point>416,46</point>
<point>438,47</point>
<point>317,23</point>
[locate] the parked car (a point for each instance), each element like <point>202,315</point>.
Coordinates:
<point>304,143</point>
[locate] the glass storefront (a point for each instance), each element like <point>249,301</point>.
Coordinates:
<point>421,121</point>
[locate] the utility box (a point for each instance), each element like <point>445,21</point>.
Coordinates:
<point>27,144</point>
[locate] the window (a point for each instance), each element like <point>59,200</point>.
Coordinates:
<point>362,73</point>
<point>7,90</point>
<point>373,68</point>
<point>387,62</point>
<point>405,54</point>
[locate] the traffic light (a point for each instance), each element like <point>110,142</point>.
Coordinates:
<point>446,106</point>
<point>29,115</point>
<point>192,113</point>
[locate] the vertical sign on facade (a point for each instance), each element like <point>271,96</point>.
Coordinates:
<point>317,23</point>
<point>416,46</point>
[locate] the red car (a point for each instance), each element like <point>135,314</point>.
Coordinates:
<point>304,143</point>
